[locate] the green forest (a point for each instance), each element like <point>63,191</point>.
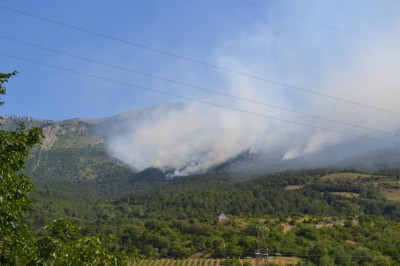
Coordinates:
<point>325,217</point>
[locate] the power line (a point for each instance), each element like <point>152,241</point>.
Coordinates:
<point>197,100</point>
<point>197,87</point>
<point>185,58</point>
<point>365,37</point>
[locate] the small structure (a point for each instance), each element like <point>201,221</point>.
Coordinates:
<point>222,217</point>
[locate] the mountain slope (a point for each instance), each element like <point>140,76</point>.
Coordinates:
<point>74,155</point>
<point>73,160</point>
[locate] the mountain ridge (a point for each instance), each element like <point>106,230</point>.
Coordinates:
<point>76,149</point>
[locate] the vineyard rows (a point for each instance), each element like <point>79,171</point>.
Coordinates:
<point>174,262</point>
<point>205,262</point>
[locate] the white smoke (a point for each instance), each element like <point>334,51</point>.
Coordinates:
<point>315,143</point>
<point>197,137</point>
<point>190,140</point>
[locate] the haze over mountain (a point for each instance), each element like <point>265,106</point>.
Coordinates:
<point>200,136</point>
<point>173,139</point>
<point>84,149</point>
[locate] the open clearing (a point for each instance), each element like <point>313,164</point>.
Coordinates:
<point>294,187</point>
<point>346,194</point>
<point>392,194</point>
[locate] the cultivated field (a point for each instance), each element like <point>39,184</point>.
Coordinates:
<point>209,262</point>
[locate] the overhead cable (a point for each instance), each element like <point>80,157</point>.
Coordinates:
<point>185,58</point>
<point>197,100</point>
<point>198,87</point>
<point>365,37</point>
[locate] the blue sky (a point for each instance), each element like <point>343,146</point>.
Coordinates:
<point>229,33</point>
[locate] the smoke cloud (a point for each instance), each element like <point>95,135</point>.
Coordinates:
<point>195,137</point>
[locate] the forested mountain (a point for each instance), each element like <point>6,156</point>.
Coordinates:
<point>77,150</point>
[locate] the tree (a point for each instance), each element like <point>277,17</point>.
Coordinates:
<point>4,79</point>
<point>15,239</point>
<point>18,245</point>
<point>63,246</point>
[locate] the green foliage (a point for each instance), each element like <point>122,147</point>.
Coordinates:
<point>177,218</point>
<point>4,79</point>
<point>62,229</point>
<point>63,246</point>
<point>16,242</point>
<point>18,245</point>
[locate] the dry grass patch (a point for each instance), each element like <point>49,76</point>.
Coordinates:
<point>351,242</point>
<point>241,223</point>
<point>347,194</point>
<point>275,260</point>
<point>337,176</point>
<point>391,182</point>
<point>285,260</point>
<point>287,227</point>
<point>392,194</point>
<point>294,187</point>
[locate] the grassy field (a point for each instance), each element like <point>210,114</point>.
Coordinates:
<point>392,194</point>
<point>391,191</point>
<point>209,262</point>
<point>294,187</point>
<point>337,176</point>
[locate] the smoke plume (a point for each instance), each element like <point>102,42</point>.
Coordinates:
<point>197,136</point>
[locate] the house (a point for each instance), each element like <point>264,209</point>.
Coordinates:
<point>222,217</point>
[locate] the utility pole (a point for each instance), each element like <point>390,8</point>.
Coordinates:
<point>257,253</point>
<point>262,252</point>
<point>265,255</point>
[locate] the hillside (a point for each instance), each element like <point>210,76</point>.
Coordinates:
<point>73,154</point>
<point>77,150</point>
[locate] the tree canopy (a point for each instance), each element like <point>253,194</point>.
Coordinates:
<point>61,243</point>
